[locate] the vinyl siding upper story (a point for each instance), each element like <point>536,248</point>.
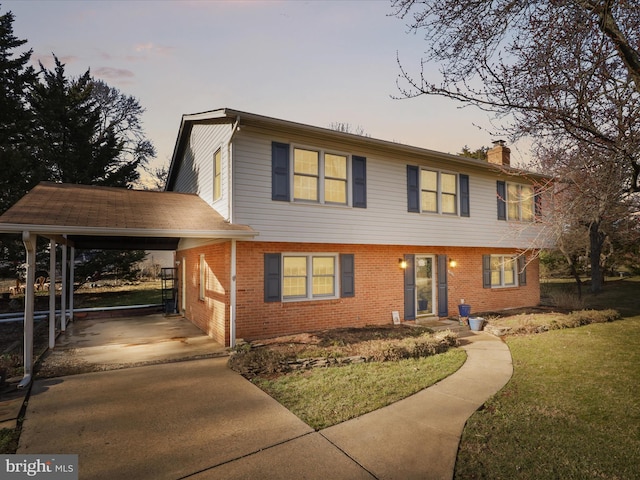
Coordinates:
<point>384,219</point>
<point>196,171</point>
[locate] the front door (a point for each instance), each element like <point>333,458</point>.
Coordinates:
<point>425,291</point>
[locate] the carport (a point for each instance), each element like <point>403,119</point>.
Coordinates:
<point>93,217</point>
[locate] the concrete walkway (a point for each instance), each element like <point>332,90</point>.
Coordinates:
<point>199,420</point>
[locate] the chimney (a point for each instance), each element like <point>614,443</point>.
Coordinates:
<point>500,154</point>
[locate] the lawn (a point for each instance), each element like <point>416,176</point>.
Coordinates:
<point>571,409</point>
<point>326,396</point>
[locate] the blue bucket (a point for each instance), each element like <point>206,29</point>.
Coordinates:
<point>476,323</point>
<point>464,310</point>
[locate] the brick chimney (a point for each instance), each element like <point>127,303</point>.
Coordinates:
<point>500,154</point>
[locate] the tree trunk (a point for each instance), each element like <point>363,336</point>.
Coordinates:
<point>576,276</point>
<point>596,240</point>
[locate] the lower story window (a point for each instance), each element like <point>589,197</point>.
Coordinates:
<point>503,271</point>
<point>308,276</point>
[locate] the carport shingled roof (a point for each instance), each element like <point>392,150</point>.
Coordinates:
<point>108,217</point>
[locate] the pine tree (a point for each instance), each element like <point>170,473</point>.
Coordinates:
<point>16,77</point>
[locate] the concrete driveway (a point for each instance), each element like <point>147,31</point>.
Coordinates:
<point>194,419</point>
<point>142,414</point>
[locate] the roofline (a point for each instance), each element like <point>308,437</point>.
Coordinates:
<point>45,230</point>
<point>246,118</point>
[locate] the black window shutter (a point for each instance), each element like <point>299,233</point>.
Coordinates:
<point>410,288</point>
<point>443,298</point>
<point>464,196</point>
<point>347,275</point>
<point>486,271</point>
<point>280,171</point>
<point>413,188</point>
<point>502,200</point>
<point>272,280</point>
<point>359,179</point>
<point>522,270</point>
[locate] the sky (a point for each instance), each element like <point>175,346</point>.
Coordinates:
<point>314,62</point>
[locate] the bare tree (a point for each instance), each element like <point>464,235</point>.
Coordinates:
<point>348,128</point>
<point>565,73</point>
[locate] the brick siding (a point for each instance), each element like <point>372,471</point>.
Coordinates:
<point>379,288</point>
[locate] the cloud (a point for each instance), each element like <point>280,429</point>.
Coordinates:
<point>112,73</point>
<point>152,48</point>
<point>48,61</point>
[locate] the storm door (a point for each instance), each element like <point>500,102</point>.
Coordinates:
<point>425,291</point>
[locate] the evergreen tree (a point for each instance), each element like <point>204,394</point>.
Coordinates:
<point>66,130</point>
<point>16,78</point>
<point>71,130</point>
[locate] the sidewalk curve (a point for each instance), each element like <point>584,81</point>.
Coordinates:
<point>418,437</point>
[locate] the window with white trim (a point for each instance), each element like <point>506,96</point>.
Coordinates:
<point>202,277</point>
<point>309,276</point>
<point>217,175</point>
<point>438,192</point>
<point>520,202</point>
<point>319,176</point>
<point>503,271</point>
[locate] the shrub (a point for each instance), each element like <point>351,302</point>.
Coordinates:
<point>425,345</point>
<point>261,360</point>
<point>586,317</point>
<point>250,362</point>
<point>566,298</point>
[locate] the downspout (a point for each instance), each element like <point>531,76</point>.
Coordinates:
<point>232,296</point>
<point>30,247</point>
<point>52,293</point>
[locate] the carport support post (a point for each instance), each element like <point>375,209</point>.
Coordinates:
<point>72,270</point>
<point>52,293</point>
<point>63,296</point>
<point>30,247</point>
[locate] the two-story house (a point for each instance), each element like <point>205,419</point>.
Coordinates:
<point>349,230</point>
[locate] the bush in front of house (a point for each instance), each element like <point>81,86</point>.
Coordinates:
<point>261,360</point>
<point>539,323</point>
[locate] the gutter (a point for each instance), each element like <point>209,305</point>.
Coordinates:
<point>47,230</point>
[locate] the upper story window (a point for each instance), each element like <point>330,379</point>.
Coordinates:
<point>517,202</point>
<point>520,202</point>
<point>309,175</point>
<point>438,192</point>
<point>217,175</point>
<point>319,177</point>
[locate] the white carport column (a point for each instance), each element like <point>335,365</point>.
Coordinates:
<point>63,296</point>
<point>30,247</point>
<point>52,293</point>
<point>232,297</point>
<point>72,271</point>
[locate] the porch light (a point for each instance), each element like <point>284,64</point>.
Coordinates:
<point>453,263</point>
<point>402,264</point>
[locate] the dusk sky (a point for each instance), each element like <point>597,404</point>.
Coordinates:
<point>313,62</point>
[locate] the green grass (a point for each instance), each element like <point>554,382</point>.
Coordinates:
<point>572,408</point>
<point>8,440</point>
<point>326,396</point>
<point>145,293</point>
